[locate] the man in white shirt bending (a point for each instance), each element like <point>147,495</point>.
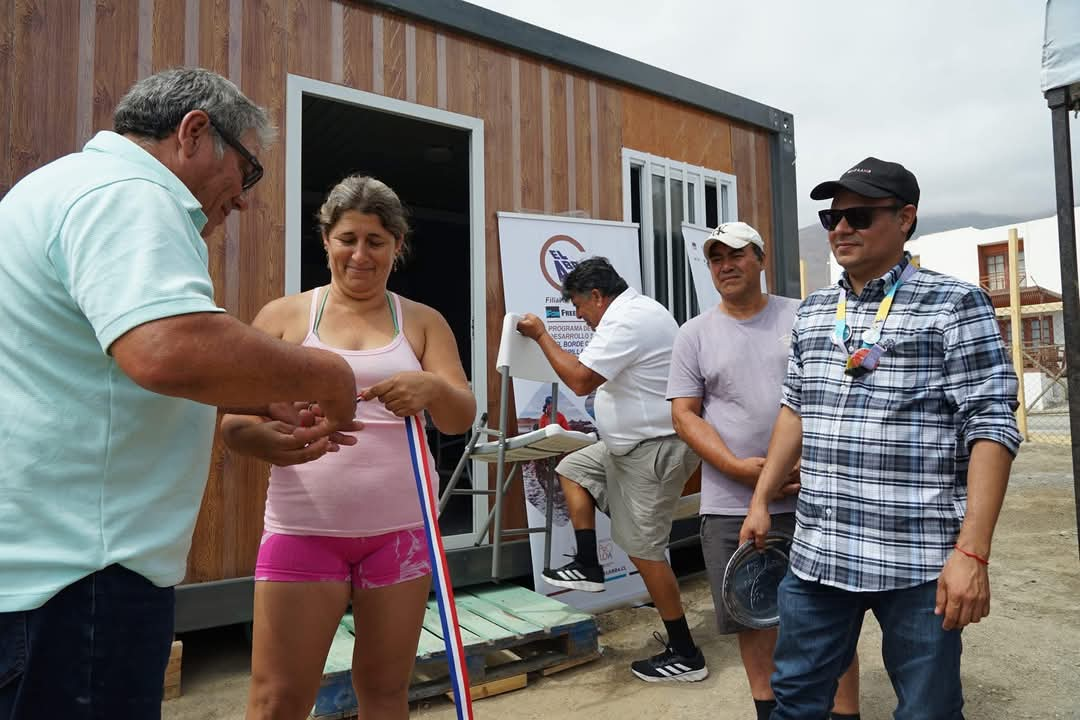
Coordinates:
<point>637,473</point>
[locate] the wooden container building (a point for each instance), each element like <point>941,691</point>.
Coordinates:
<point>465,113</point>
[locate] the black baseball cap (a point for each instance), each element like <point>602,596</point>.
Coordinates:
<point>873,178</point>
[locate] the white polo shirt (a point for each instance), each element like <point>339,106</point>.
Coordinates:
<point>631,348</point>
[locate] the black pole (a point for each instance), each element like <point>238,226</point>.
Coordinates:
<point>1060,101</point>
<point>785,201</point>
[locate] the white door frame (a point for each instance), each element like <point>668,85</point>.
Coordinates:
<point>297,87</point>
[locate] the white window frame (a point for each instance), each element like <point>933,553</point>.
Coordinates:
<point>297,87</point>
<point>654,165</point>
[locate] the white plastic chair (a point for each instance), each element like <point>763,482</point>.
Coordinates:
<point>519,357</point>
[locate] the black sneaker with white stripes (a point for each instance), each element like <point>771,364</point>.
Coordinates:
<point>671,666</point>
<point>576,576</point>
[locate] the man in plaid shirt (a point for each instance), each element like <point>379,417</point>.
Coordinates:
<point>900,399</point>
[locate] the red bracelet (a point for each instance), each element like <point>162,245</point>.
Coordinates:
<point>972,555</point>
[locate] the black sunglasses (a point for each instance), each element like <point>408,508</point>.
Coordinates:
<point>254,172</point>
<point>859,218</point>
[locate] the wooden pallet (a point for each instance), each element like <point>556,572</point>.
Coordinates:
<point>508,632</point>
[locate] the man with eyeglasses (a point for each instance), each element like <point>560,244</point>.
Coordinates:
<point>114,358</point>
<point>899,398</point>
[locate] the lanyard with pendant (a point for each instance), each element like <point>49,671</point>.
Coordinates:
<point>867,357</point>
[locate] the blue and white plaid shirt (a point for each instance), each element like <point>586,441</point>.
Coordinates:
<point>885,455</point>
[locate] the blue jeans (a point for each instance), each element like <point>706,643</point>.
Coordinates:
<point>97,650</point>
<point>819,631</point>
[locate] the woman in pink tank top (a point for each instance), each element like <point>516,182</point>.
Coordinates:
<point>343,522</point>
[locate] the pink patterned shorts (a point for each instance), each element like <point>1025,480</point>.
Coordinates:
<point>368,562</point>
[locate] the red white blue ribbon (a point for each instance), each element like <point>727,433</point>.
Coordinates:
<point>444,592</point>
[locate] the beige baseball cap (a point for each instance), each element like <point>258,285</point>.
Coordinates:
<point>734,235</point>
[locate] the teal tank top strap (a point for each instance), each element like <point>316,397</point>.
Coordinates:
<point>318,316</point>
<point>394,302</point>
<point>391,301</point>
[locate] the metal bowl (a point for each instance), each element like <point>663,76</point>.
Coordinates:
<point>752,578</point>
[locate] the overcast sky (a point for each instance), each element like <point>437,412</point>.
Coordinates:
<point>949,89</point>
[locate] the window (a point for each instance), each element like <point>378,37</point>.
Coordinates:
<point>660,196</point>
<point>1038,331</point>
<point>995,272</point>
<point>994,266</point>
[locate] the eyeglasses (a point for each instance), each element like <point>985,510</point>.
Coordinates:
<point>859,218</point>
<point>254,172</point>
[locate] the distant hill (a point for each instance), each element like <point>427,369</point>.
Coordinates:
<point>814,241</point>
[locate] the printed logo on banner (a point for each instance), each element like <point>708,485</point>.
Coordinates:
<point>558,256</point>
<point>552,312</point>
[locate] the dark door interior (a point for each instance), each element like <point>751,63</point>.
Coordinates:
<point>428,166</point>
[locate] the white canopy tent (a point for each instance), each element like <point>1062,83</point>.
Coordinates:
<point>1061,86</point>
<point>1061,45</point>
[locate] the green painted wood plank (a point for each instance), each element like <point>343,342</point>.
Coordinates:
<point>545,612</point>
<point>433,625</point>
<point>339,659</point>
<point>429,645</point>
<point>481,626</point>
<point>516,625</point>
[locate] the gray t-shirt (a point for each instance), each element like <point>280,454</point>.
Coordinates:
<point>737,368</point>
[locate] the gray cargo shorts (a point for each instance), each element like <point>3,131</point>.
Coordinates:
<point>638,490</point>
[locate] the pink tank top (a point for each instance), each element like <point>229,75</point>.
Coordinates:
<point>363,489</point>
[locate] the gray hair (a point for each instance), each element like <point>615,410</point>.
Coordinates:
<point>154,107</point>
<point>366,195</point>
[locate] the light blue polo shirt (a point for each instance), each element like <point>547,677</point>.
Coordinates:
<point>95,470</point>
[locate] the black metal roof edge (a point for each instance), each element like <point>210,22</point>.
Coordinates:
<point>503,30</point>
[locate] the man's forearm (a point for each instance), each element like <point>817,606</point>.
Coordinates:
<point>259,410</point>
<point>703,439</point>
<point>565,364</point>
<point>217,360</point>
<point>987,480</point>
<point>785,446</point>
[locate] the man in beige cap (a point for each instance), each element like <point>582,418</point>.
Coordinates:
<point>727,372</point>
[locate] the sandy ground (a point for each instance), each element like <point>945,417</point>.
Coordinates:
<point>1021,662</point>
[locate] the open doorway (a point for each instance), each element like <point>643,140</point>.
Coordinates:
<point>430,163</point>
